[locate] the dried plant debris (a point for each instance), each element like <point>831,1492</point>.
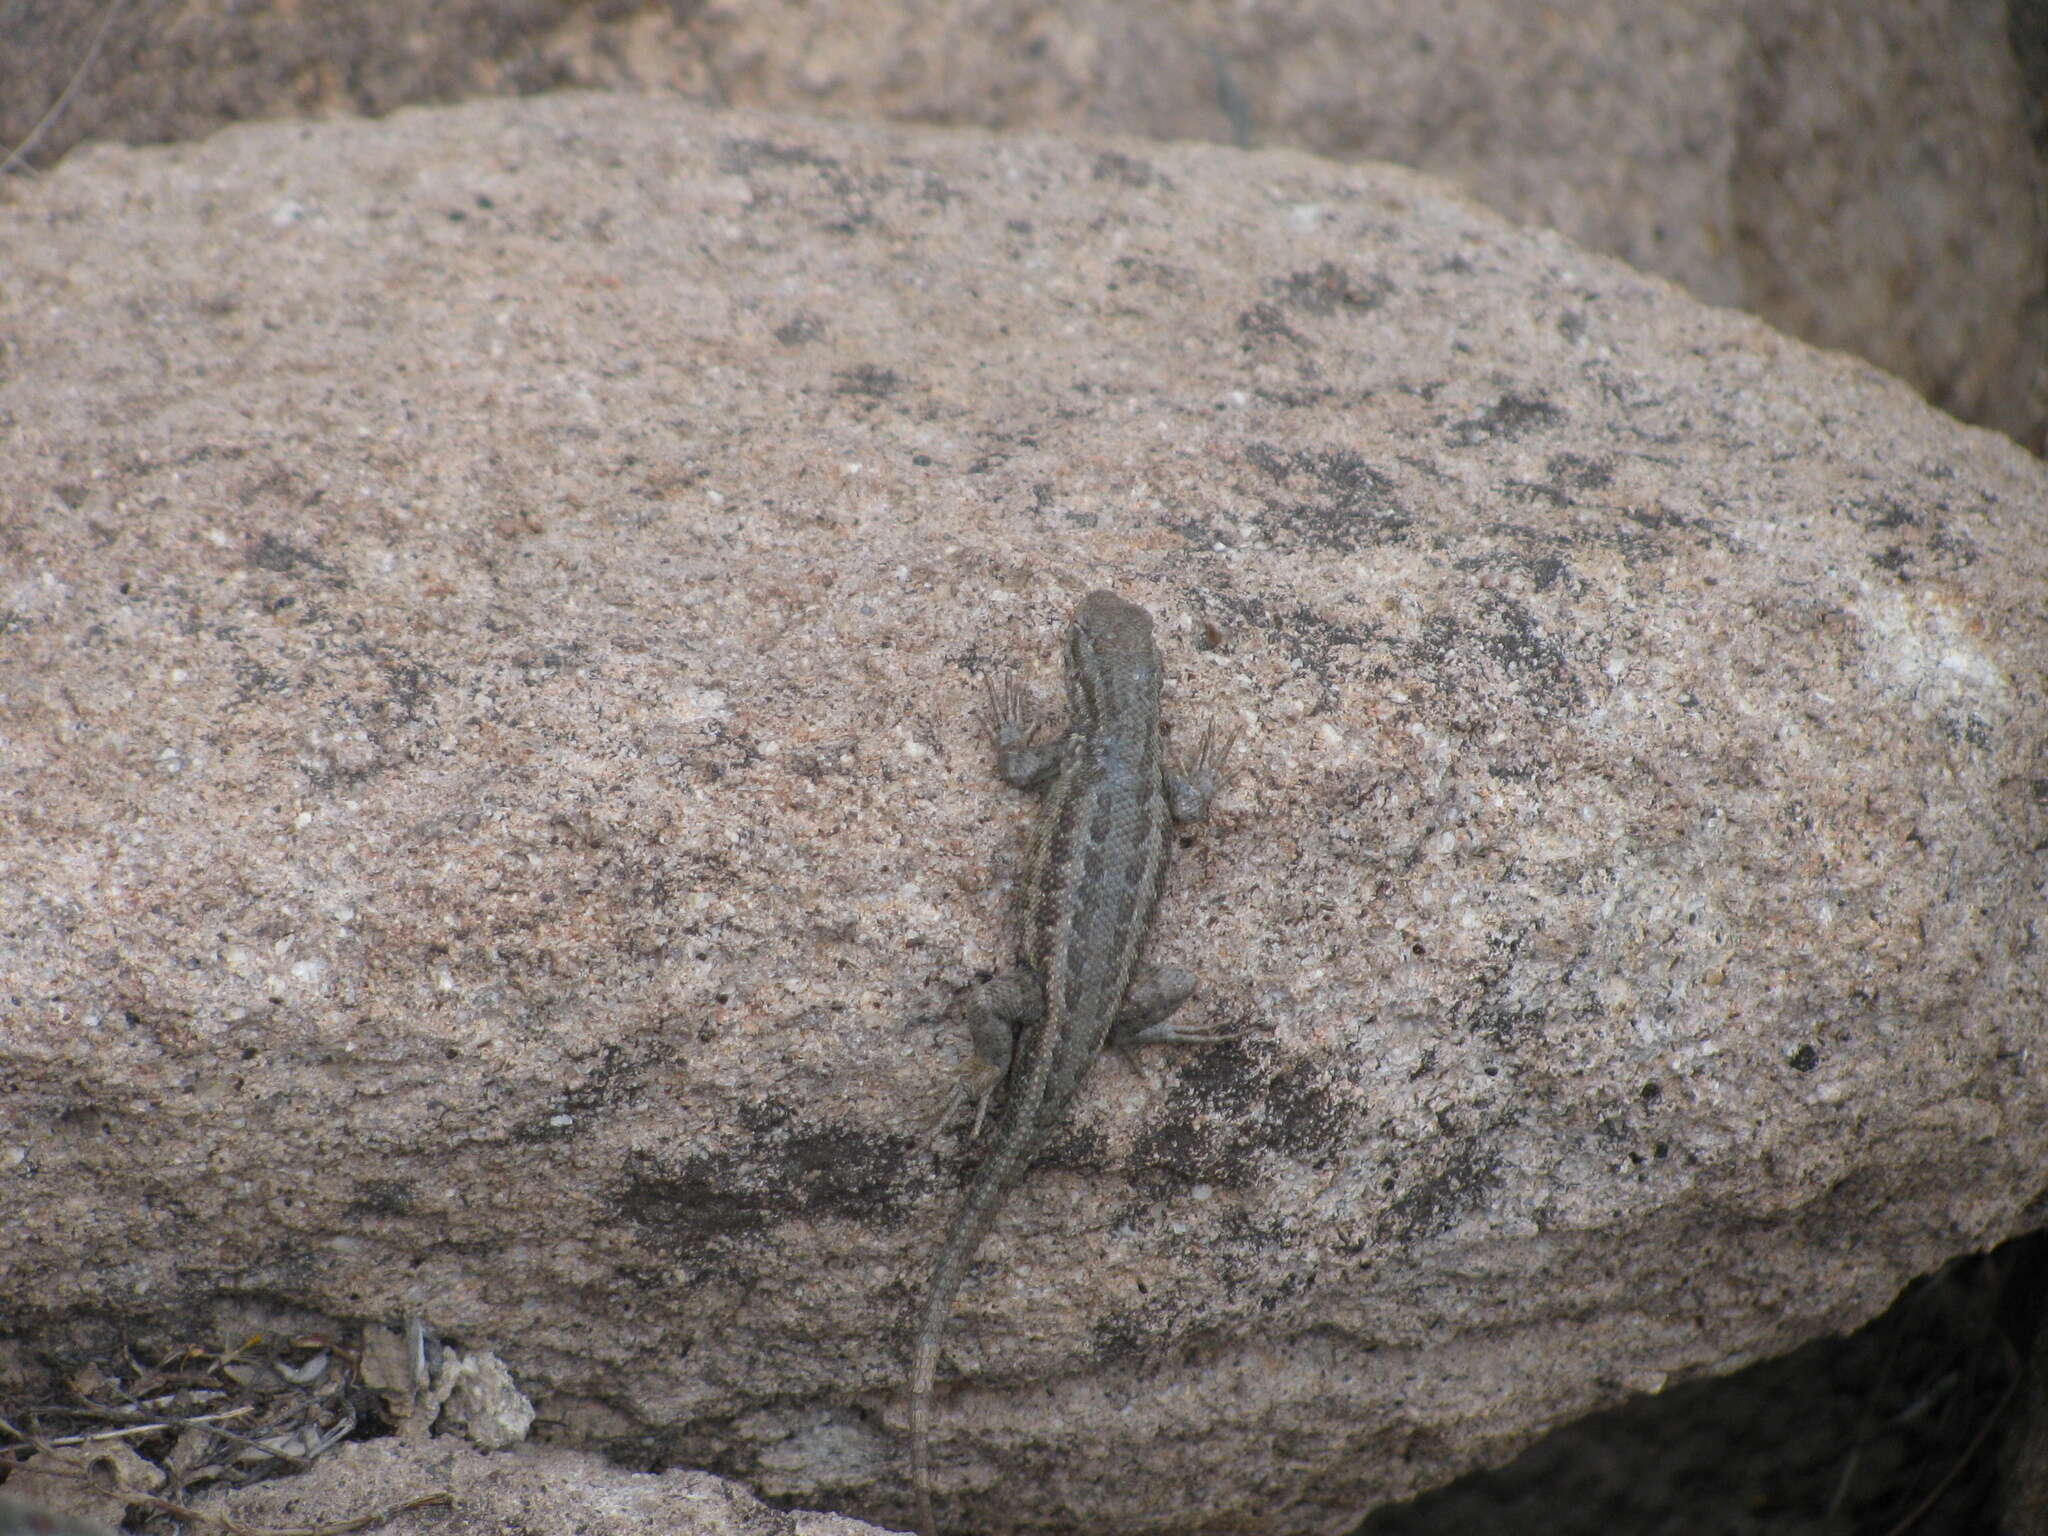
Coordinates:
<point>199,1417</point>
<point>133,1441</point>
<point>418,1377</point>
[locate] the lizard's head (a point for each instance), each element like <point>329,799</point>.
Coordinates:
<point>1112,664</point>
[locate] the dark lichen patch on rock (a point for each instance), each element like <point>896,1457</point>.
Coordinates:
<point>1264,322</point>
<point>1128,171</point>
<point>1329,288</point>
<point>1914,540</point>
<point>1581,472</point>
<point>1439,1187</point>
<point>1157,274</point>
<point>1330,651</point>
<point>1076,1147</point>
<point>384,1197</point>
<point>276,553</point>
<point>678,1207</point>
<point>616,1081</point>
<point>784,1171</point>
<point>1229,1107</point>
<point>868,382</point>
<point>1128,1333</point>
<point>740,157</point>
<point>1505,1026</point>
<point>1508,418</point>
<point>1542,570</point>
<point>1348,505</point>
<point>1512,655</point>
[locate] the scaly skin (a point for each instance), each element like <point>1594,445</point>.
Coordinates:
<point>1098,862</point>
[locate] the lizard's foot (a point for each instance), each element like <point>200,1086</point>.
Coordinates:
<point>977,1086</point>
<point>1011,719</point>
<point>1168,1032</point>
<point>1153,997</point>
<point>1192,784</point>
<point>1008,713</point>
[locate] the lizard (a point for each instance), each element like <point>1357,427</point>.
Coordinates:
<point>1091,883</point>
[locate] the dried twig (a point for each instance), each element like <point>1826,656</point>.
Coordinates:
<point>92,52</point>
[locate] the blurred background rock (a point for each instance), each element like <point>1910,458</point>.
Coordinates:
<point>1867,177</point>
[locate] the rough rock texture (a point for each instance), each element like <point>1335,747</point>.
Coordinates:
<point>494,826</point>
<point>534,1491</point>
<point>1860,175</point>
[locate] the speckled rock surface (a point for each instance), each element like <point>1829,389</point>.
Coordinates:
<point>535,1491</point>
<point>495,830</point>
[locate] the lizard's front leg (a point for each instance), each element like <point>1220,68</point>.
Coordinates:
<point>1012,721</point>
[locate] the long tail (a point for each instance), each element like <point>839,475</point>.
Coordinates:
<point>1000,1168</point>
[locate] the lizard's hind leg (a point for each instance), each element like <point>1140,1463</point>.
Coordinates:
<point>1147,1016</point>
<point>995,1012</point>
